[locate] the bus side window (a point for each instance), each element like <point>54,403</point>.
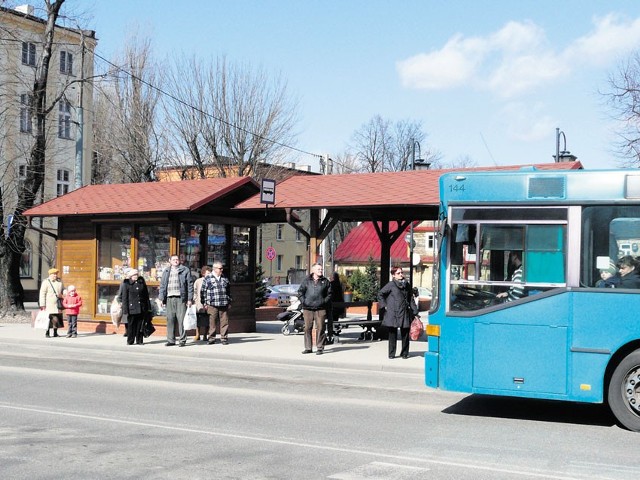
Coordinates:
<point>545,255</point>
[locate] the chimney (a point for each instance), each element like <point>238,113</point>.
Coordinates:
<point>304,168</point>
<point>28,9</point>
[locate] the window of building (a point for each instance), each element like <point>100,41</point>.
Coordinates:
<point>430,241</point>
<point>26,112</point>
<point>279,262</point>
<point>298,262</point>
<point>64,119</point>
<point>22,175</point>
<point>62,184</point>
<point>279,230</point>
<point>217,244</point>
<point>240,255</point>
<point>66,63</point>
<point>298,236</point>
<point>29,54</point>
<point>25,261</point>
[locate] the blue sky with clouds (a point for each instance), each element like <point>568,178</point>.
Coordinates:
<point>489,80</point>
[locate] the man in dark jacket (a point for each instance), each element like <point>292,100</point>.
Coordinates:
<point>315,296</point>
<point>176,292</point>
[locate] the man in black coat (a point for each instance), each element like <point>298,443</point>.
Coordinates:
<point>315,296</point>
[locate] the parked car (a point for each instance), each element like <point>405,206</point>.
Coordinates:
<point>280,295</point>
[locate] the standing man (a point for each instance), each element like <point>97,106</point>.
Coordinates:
<point>176,292</point>
<point>315,296</point>
<point>216,297</point>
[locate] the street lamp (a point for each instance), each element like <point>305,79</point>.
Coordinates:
<point>417,163</point>
<point>564,155</point>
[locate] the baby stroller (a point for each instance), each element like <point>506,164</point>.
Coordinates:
<point>292,318</point>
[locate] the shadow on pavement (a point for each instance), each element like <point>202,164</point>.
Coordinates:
<point>533,409</point>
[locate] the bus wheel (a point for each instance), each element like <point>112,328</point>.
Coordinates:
<point>624,392</point>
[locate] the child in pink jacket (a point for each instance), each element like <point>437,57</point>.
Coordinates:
<point>72,303</point>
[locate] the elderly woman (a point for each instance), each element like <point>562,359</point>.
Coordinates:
<point>50,292</point>
<point>203,316</point>
<point>135,304</point>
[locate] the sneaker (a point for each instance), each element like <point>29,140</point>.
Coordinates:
<point>306,351</point>
<point>225,342</point>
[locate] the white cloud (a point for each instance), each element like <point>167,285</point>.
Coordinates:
<point>613,36</point>
<point>517,58</point>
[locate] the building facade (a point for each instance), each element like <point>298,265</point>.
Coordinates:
<point>68,147</point>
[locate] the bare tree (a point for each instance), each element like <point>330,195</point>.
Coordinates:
<point>372,144</point>
<point>228,117</point>
<point>12,243</point>
<point>381,146</point>
<point>127,130</point>
<point>624,98</point>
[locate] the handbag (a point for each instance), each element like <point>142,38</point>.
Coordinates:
<point>58,299</point>
<point>417,327</point>
<point>41,321</point>
<point>147,328</point>
<point>190,320</point>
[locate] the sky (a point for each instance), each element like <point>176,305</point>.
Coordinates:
<point>490,81</point>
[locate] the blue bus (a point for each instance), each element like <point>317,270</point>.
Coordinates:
<point>516,310</point>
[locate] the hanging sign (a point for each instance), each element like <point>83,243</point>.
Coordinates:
<point>268,192</point>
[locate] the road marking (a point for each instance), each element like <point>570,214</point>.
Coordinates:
<point>388,471</point>
<point>297,444</point>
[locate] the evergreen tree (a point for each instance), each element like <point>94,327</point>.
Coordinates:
<point>261,288</point>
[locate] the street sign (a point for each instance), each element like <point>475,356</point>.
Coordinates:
<point>271,253</point>
<point>268,191</point>
<point>9,223</point>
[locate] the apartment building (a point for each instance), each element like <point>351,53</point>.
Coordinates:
<point>68,147</point>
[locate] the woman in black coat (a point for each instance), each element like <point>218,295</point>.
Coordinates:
<point>396,298</point>
<point>136,305</point>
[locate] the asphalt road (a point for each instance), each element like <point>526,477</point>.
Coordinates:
<point>75,412</point>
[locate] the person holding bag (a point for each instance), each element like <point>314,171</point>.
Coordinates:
<point>50,300</point>
<point>136,305</point>
<point>396,298</point>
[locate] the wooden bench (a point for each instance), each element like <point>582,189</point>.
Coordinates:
<point>367,323</point>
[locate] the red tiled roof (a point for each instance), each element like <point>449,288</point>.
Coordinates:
<point>419,187</point>
<point>362,242</point>
<point>131,198</point>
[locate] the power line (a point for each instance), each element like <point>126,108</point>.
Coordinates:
<point>178,100</point>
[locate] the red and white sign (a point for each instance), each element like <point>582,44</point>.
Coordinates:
<point>271,253</point>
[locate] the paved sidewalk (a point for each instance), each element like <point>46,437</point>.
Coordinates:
<point>268,344</point>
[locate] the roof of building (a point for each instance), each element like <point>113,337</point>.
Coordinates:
<point>362,242</point>
<point>150,197</point>
<point>364,191</point>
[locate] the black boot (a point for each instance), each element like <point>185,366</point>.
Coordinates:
<point>55,332</point>
<point>47,333</point>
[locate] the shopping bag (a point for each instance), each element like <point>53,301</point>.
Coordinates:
<point>116,312</point>
<point>190,318</point>
<point>417,328</point>
<point>42,320</point>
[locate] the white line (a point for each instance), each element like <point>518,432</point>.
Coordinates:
<point>296,444</point>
